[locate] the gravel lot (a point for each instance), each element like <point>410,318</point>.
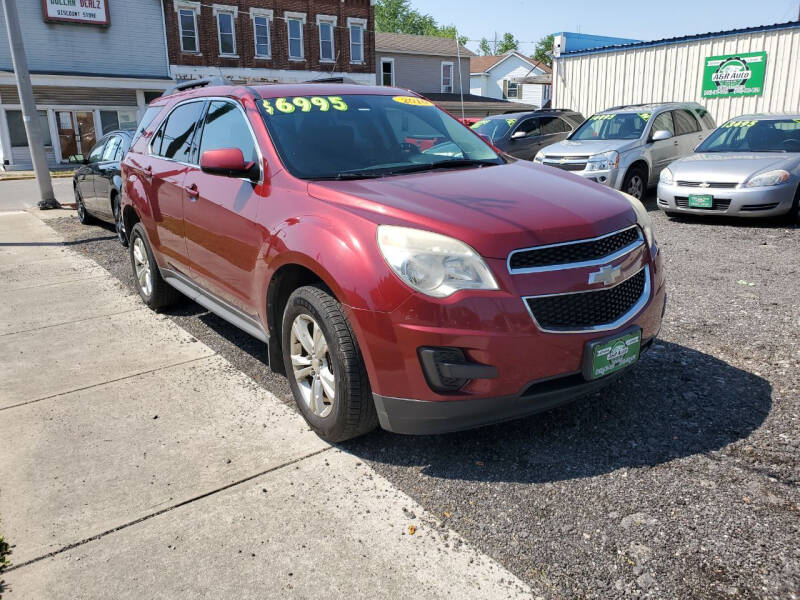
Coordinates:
<point>681,480</point>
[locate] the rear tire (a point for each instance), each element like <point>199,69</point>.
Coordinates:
<point>83,215</point>
<point>324,366</point>
<point>635,183</point>
<point>154,291</point>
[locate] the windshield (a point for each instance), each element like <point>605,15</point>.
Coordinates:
<point>768,135</point>
<point>619,126</point>
<point>359,136</point>
<point>494,129</point>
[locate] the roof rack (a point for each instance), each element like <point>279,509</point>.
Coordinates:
<point>195,83</point>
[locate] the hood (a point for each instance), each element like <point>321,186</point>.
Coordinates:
<point>493,209</point>
<point>588,147</point>
<point>730,166</point>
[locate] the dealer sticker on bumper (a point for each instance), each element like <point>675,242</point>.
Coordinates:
<point>612,355</point>
<point>700,201</point>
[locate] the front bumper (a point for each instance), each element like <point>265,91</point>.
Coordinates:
<point>610,177</point>
<point>741,202</point>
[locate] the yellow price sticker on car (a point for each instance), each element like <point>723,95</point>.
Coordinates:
<point>303,104</point>
<point>601,117</point>
<point>645,116</point>
<point>739,124</point>
<point>479,123</point>
<point>412,101</point>
<point>511,122</point>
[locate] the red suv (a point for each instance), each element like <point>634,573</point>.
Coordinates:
<point>428,287</point>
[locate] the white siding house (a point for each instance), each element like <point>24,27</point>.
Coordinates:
<point>494,77</point>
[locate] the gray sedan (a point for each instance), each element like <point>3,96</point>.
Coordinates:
<point>748,167</point>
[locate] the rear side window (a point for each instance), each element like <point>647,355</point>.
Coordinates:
<point>706,118</point>
<point>225,127</point>
<point>664,122</point>
<point>551,125</point>
<point>147,118</point>
<point>685,122</point>
<point>174,138</point>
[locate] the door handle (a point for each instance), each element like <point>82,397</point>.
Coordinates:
<point>192,192</point>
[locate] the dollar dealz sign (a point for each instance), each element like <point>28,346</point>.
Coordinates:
<point>734,75</point>
<point>93,12</point>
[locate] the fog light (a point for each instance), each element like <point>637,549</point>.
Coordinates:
<point>447,370</point>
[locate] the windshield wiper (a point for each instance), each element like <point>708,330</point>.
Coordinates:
<point>349,175</point>
<point>443,164</point>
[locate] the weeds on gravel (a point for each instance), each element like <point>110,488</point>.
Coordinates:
<point>5,550</point>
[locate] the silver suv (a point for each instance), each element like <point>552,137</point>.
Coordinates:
<point>626,147</point>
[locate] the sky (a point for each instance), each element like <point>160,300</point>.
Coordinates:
<point>530,20</point>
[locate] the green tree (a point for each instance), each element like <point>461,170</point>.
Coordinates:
<point>507,43</point>
<point>397,16</point>
<point>486,47</point>
<point>543,49</point>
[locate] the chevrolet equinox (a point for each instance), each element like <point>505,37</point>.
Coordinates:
<point>398,268</point>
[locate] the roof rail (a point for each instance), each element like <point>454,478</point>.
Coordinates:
<point>195,83</point>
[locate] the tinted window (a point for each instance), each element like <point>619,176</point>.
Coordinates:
<point>175,137</point>
<point>685,122</point>
<point>112,148</point>
<point>494,128</point>
<point>663,122</point>
<point>225,127</point>
<point>97,152</point>
<point>531,127</point>
<point>147,118</point>
<point>706,117</point>
<point>611,126</point>
<point>551,125</point>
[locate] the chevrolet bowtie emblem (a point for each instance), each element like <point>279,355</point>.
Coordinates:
<point>606,275</point>
<point>704,185</point>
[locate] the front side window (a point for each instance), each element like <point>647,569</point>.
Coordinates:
<point>147,118</point>
<point>356,43</point>
<point>261,32</point>
<point>174,139</point>
<point>663,122</point>
<point>612,126</point>
<point>96,153</point>
<point>326,50</point>
<point>365,136</point>
<point>112,148</point>
<point>447,77</point>
<point>187,19</point>
<point>387,72</point>
<point>295,27</point>
<point>531,127</point>
<point>227,37</point>
<point>225,127</point>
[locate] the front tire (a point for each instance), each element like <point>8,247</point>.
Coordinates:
<point>324,365</point>
<point>154,291</point>
<point>635,183</point>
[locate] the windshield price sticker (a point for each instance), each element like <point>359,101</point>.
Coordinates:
<point>304,104</point>
<point>479,123</point>
<point>645,116</point>
<point>601,117</point>
<point>739,124</point>
<point>511,122</point>
<point>412,101</point>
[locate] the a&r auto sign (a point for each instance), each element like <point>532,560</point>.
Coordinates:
<point>93,12</point>
<point>734,75</point>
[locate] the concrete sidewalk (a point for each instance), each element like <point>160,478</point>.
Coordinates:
<point>136,462</point>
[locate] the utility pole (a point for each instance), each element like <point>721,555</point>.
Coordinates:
<point>30,116</point>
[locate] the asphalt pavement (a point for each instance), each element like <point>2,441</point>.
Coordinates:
<point>680,480</point>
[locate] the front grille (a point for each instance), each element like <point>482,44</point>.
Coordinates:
<point>573,252</point>
<point>585,310</point>
<point>756,207</point>
<point>566,166</point>
<point>713,184</point>
<point>559,157</point>
<point>716,203</point>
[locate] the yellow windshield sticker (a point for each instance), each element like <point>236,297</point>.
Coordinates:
<point>796,120</point>
<point>479,123</point>
<point>412,101</point>
<point>739,124</point>
<point>601,117</point>
<point>645,116</point>
<point>303,104</point>
<point>511,122</point>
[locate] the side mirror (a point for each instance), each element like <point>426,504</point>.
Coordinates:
<point>518,134</point>
<point>228,162</point>
<point>661,134</point>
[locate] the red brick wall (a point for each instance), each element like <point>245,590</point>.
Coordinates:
<point>245,45</point>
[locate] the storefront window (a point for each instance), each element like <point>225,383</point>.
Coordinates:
<point>16,128</point>
<point>117,119</point>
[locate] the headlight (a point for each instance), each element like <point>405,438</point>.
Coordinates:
<point>666,177</point>
<point>433,264</point>
<point>642,219</point>
<point>769,178</point>
<point>603,162</point>
<point>539,156</point>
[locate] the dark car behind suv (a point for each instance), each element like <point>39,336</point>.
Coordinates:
<point>523,134</point>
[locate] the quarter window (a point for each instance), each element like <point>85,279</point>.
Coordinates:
<point>356,27</point>
<point>174,138</point>
<point>187,19</point>
<point>685,122</point>
<point>261,33</point>
<point>447,77</point>
<point>326,45</point>
<point>227,36</point>
<point>295,29</point>
<point>225,127</point>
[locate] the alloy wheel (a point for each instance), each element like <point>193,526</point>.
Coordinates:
<point>119,224</point>
<point>636,187</point>
<point>141,263</point>
<point>79,205</point>
<point>312,366</point>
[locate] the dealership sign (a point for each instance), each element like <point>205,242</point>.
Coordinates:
<point>93,12</point>
<point>734,75</point>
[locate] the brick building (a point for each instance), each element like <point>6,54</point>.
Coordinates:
<point>271,40</point>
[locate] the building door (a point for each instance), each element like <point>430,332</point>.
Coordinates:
<point>76,133</point>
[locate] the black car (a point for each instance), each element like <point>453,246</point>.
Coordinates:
<point>98,181</point>
<point>523,134</point>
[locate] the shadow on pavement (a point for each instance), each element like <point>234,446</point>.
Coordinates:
<point>676,402</point>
